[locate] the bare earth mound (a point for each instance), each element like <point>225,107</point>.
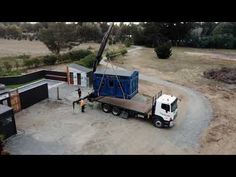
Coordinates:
<point>227,75</point>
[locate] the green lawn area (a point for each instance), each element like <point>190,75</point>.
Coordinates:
<point>19,85</point>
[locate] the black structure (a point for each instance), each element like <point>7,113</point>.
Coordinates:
<point>56,75</point>
<point>33,95</point>
<point>7,121</point>
<point>11,80</point>
<point>22,79</point>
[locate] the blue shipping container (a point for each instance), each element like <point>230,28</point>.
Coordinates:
<point>110,86</point>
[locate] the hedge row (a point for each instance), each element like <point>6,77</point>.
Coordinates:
<point>10,68</point>
<point>87,61</point>
<point>214,41</point>
<point>114,53</point>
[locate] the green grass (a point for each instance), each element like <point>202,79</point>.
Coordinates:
<point>11,73</point>
<point>19,85</point>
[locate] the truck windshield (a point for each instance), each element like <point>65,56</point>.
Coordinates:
<point>174,106</point>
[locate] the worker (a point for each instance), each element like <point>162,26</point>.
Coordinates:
<point>79,92</point>
<point>82,105</point>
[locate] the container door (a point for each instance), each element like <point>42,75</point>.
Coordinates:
<point>119,88</point>
<point>111,86</point>
<point>75,78</point>
<point>71,78</point>
<point>83,80</point>
<point>78,78</point>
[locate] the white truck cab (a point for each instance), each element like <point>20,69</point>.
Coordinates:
<point>165,111</point>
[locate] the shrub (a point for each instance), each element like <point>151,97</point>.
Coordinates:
<point>50,59</point>
<point>224,41</point>
<point>12,73</point>
<point>79,54</point>
<point>128,42</point>
<point>163,51</point>
<point>113,53</point>
<point>87,61</point>
<point>29,63</point>
<point>37,62</point>
<point>7,66</point>
<point>64,58</point>
<point>23,56</point>
<point>74,55</point>
<point>123,51</point>
<point>17,65</point>
<point>1,70</point>
<point>90,48</point>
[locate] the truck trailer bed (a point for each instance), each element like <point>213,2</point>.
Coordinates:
<point>143,108</point>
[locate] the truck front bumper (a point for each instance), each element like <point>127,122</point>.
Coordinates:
<point>169,123</point>
<point>172,123</point>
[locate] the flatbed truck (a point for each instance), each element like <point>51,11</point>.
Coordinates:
<point>162,110</point>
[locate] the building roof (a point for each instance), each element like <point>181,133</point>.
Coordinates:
<point>80,68</point>
<point>109,71</point>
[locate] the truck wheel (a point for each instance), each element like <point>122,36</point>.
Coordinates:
<point>157,123</point>
<point>115,111</point>
<point>106,108</point>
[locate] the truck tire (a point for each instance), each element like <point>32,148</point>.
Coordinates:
<point>106,108</point>
<point>157,123</point>
<point>115,111</point>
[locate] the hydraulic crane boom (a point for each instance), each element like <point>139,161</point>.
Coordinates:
<point>102,47</point>
<point>98,59</point>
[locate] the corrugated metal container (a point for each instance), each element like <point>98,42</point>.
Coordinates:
<point>110,86</point>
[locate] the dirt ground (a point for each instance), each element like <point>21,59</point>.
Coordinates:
<point>187,70</point>
<point>36,48</point>
<point>15,47</point>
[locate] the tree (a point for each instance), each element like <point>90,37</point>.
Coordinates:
<point>163,51</point>
<point>13,31</point>
<point>207,28</point>
<point>223,28</point>
<point>59,36</point>
<point>2,31</point>
<point>176,32</point>
<point>104,27</point>
<point>7,66</point>
<point>89,32</point>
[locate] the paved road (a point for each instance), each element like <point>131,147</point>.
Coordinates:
<point>197,115</point>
